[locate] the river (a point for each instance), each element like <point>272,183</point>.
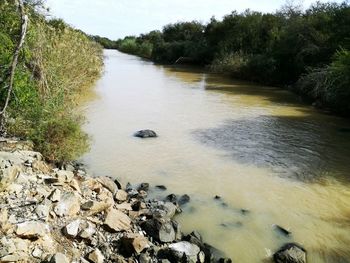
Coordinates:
<point>259,148</point>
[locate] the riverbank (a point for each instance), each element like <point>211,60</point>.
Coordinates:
<point>65,215</point>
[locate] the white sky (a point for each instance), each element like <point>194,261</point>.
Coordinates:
<point>118,18</point>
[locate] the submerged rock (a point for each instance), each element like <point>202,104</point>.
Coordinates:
<point>282,230</point>
<point>290,253</point>
<point>146,134</point>
<point>184,199</point>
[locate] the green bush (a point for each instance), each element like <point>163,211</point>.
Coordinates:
<point>55,66</point>
<point>329,86</point>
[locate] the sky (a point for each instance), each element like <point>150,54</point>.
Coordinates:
<point>118,18</point>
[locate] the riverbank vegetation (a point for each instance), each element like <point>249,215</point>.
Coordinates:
<point>56,64</point>
<point>305,50</point>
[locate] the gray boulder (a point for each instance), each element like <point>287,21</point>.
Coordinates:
<point>290,253</point>
<point>146,134</point>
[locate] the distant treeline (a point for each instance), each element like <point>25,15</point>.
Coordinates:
<point>55,66</point>
<point>305,50</point>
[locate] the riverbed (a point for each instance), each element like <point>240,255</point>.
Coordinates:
<point>271,158</point>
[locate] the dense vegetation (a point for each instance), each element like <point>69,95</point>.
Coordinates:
<point>306,50</point>
<point>55,65</point>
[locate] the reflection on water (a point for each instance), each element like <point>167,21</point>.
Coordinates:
<point>272,159</point>
<point>296,147</point>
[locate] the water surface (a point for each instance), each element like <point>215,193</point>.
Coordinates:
<point>259,148</point>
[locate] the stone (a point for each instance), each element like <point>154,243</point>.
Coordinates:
<point>143,187</point>
<point>10,258</point>
<point>171,198</point>
<point>161,187</point>
<point>72,229</point>
<point>31,229</point>
<point>163,209</point>
<point>69,205</point>
<point>195,238</point>
<point>290,253</point>
<point>98,207</point>
<point>108,183</point>
<point>55,195</point>
<point>121,196</point>
<point>117,221</point>
<point>184,199</point>
<point>185,248</point>
<point>146,134</point>
<point>88,230</point>
<point>37,252</point>
<point>59,258</point>
<point>42,211</point>
<point>160,229</point>
<point>40,166</point>
<point>64,176</point>
<point>145,258</point>
<point>87,205</point>
<point>96,256</point>
<point>134,243</point>
<point>282,230</point>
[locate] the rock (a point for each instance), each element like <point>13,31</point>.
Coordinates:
<point>290,253</point>
<point>40,166</point>
<point>68,205</point>
<point>185,248</point>
<point>9,174</point>
<point>184,199</point>
<point>72,229</point>
<point>145,258</point>
<point>64,176</point>
<point>143,187</point>
<point>146,134</point>
<point>213,254</point>
<point>10,258</point>
<point>88,229</point>
<point>217,197</point>
<point>55,195</point>
<point>37,253</point>
<point>160,229</point>
<point>108,183</point>
<point>282,230</point>
<point>171,198</point>
<point>163,209</point>
<point>31,229</point>
<point>121,196</point>
<point>195,238</point>
<point>133,243</point>
<point>161,187</point>
<point>98,207</point>
<point>59,258</point>
<point>87,205</point>
<point>42,211</point>
<point>96,256</point>
<point>117,221</point>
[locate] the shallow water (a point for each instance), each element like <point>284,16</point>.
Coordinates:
<point>257,147</point>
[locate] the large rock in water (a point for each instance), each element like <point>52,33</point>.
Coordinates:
<point>290,253</point>
<point>145,134</point>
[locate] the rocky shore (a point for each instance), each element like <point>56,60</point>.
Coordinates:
<point>64,215</point>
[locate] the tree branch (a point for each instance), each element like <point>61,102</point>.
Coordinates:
<point>24,24</point>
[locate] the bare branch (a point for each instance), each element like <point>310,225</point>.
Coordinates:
<point>24,24</point>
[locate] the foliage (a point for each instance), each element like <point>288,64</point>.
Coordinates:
<point>330,85</point>
<point>56,65</point>
<point>271,48</point>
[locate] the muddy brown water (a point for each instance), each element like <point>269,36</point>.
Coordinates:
<point>259,148</point>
